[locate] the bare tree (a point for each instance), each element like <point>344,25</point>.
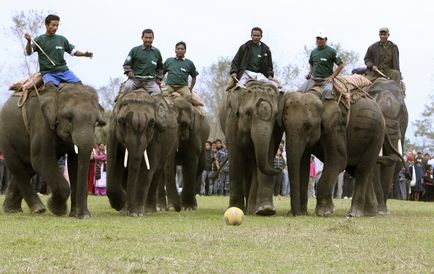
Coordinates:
<point>108,93</point>
<point>425,126</point>
<point>212,85</point>
<point>31,22</point>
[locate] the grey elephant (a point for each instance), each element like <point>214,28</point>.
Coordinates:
<point>194,131</point>
<point>390,98</point>
<point>141,136</point>
<point>351,142</point>
<point>248,119</point>
<point>33,137</point>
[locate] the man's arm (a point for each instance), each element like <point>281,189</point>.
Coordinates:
<point>193,82</point>
<point>368,59</point>
<point>335,73</point>
<point>128,70</point>
<point>309,74</point>
<point>235,65</point>
<point>83,54</point>
<point>269,68</point>
<point>29,49</point>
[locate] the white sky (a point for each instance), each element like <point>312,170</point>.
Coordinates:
<point>214,29</point>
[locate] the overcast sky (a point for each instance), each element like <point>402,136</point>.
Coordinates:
<point>214,29</point>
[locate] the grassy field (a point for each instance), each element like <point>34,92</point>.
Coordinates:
<point>199,241</point>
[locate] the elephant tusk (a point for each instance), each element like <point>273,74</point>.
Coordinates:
<point>399,147</point>
<point>145,154</point>
<point>126,158</point>
<point>381,152</point>
<point>76,149</point>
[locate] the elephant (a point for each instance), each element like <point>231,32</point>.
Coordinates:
<point>194,130</point>
<point>350,141</point>
<point>57,122</point>
<point>390,98</point>
<point>140,148</point>
<point>248,119</point>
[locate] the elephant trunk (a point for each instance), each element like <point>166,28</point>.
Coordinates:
<point>294,153</point>
<point>261,137</point>
<point>134,164</point>
<point>83,143</point>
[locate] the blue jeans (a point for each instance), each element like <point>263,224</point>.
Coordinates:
<point>285,183</point>
<point>57,78</point>
<point>204,180</point>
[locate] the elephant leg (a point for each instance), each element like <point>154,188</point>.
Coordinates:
<point>46,166</point>
<point>239,183</point>
<point>264,195</point>
<point>151,197</point>
<point>371,204</point>
<point>116,175</point>
<point>161,196</point>
<point>304,182</point>
<point>72,174</point>
<point>387,176</point>
<point>142,188</point>
<point>376,180</point>
<point>13,198</point>
<point>189,176</point>
<point>253,192</point>
<point>168,179</point>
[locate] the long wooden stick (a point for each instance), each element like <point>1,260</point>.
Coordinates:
<point>382,74</point>
<point>34,42</point>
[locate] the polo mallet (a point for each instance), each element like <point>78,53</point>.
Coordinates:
<point>238,82</point>
<point>39,47</point>
<point>382,74</point>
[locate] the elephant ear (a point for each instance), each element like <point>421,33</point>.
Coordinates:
<point>100,122</point>
<point>161,110</point>
<point>48,101</point>
<point>280,106</point>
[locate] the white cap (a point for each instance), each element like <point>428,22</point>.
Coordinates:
<point>321,34</point>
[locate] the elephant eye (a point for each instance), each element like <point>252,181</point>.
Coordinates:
<point>151,124</point>
<point>307,126</point>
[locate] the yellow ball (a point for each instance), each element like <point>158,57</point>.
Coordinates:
<point>234,216</point>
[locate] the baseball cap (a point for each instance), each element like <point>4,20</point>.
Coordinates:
<point>384,29</point>
<point>321,34</point>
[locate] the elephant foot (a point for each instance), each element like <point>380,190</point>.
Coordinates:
<point>324,208</point>
<point>117,201</point>
<point>38,208</point>
<point>384,212</point>
<point>176,206</point>
<point>189,203</point>
<point>355,211</point>
<point>266,210</point>
<point>57,208</point>
<point>85,215</point>
<point>151,209</point>
<point>135,213</point>
<point>12,209</point>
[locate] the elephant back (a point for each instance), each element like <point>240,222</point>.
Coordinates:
<point>389,96</point>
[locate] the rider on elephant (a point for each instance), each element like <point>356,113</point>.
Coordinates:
<point>252,61</point>
<point>178,69</point>
<point>321,63</point>
<point>383,56</point>
<point>51,48</point>
<point>144,66</point>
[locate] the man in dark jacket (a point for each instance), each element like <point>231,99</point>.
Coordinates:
<point>252,61</point>
<point>383,56</point>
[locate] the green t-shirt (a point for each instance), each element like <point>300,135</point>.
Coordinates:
<point>322,60</point>
<point>178,70</point>
<point>144,62</point>
<point>255,58</point>
<point>55,47</point>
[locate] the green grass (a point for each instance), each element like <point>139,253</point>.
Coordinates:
<point>199,241</point>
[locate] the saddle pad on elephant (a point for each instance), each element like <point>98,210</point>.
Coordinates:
<point>32,81</point>
<point>351,87</point>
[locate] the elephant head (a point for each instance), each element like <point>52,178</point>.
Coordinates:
<point>302,120</point>
<point>255,109</point>
<point>185,116</point>
<point>72,113</point>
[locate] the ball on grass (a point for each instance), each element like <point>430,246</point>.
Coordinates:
<point>234,216</point>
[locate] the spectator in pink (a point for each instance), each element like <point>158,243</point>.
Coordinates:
<point>312,177</point>
<point>100,173</point>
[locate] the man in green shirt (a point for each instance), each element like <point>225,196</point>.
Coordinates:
<point>51,48</point>
<point>252,61</point>
<point>321,62</point>
<point>178,69</point>
<point>383,56</point>
<point>144,66</point>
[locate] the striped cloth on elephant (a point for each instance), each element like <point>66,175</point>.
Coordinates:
<point>350,88</point>
<point>32,81</point>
